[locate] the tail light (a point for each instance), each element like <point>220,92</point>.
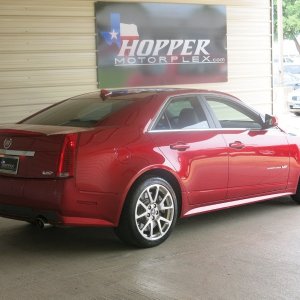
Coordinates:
<point>67,156</point>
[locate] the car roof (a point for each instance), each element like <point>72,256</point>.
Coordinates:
<point>140,94</point>
<point>146,93</point>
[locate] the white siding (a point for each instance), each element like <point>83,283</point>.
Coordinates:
<point>47,53</point>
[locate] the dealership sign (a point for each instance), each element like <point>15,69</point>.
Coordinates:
<point>145,44</point>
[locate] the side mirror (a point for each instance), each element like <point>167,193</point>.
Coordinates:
<point>270,121</point>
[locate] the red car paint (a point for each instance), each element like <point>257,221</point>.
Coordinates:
<point>215,168</point>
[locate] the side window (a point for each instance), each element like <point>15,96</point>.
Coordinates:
<point>182,113</point>
<point>233,115</point>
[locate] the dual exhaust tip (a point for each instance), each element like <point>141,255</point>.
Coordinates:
<point>41,222</point>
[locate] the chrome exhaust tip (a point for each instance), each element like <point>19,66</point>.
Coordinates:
<point>40,222</point>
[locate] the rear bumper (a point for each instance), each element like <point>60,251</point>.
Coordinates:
<point>28,214</point>
<point>293,108</point>
<point>57,201</point>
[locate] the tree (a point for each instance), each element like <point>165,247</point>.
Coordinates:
<point>291,20</point>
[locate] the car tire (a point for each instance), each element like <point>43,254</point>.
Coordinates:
<point>296,197</point>
<point>149,214</point>
<point>297,113</point>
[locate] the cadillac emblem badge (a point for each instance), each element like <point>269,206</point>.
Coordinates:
<point>7,143</point>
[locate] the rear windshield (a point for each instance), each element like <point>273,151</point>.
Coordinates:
<point>78,112</point>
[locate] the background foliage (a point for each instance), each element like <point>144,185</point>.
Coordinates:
<point>291,20</point>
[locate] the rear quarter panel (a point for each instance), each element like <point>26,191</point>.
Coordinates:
<point>108,159</point>
<point>108,163</point>
<point>111,154</point>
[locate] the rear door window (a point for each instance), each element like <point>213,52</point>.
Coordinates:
<point>182,113</point>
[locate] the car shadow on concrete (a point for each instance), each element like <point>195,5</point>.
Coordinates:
<point>70,240</point>
<point>73,240</point>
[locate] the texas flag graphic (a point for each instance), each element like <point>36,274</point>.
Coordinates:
<point>119,31</point>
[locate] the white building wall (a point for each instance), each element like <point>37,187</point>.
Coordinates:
<point>48,53</point>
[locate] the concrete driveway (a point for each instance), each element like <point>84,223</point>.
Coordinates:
<point>249,252</point>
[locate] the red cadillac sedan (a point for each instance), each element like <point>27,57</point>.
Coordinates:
<point>137,160</point>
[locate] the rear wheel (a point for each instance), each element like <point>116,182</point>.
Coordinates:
<point>149,214</point>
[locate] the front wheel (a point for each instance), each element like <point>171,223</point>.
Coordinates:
<point>149,214</point>
<point>296,197</point>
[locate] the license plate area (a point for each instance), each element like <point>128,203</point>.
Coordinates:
<point>9,164</point>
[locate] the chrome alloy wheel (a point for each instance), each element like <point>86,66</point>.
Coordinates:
<point>154,212</point>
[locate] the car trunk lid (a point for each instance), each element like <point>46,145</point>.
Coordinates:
<point>34,151</point>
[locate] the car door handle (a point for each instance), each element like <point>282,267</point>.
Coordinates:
<point>179,146</point>
<point>237,145</point>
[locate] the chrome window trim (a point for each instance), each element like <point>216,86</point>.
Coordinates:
<point>203,96</point>
<point>17,152</point>
<point>208,129</point>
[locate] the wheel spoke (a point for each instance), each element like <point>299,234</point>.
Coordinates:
<point>165,220</point>
<point>149,195</point>
<point>141,215</point>
<point>162,206</point>
<point>142,204</point>
<point>156,194</point>
<point>151,229</point>
<point>166,207</point>
<point>165,197</point>
<point>146,226</point>
<point>159,227</point>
